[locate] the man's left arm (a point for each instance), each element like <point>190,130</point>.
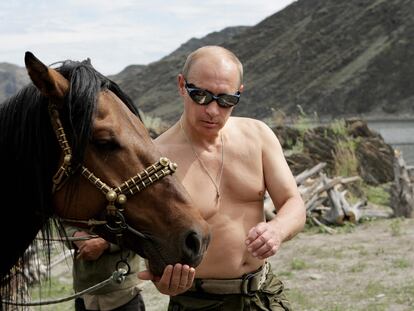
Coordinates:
<point>264,239</point>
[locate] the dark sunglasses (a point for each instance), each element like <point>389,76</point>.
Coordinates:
<point>204,97</point>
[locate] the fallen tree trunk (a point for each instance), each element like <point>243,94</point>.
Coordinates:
<point>402,190</point>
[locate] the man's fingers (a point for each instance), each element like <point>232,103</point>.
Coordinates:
<point>190,278</point>
<point>176,277</point>
<point>256,232</point>
<point>266,250</point>
<point>163,284</point>
<point>185,271</point>
<point>174,280</point>
<point>255,245</point>
<point>145,275</point>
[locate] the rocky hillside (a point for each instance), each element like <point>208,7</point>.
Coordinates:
<point>12,78</point>
<point>153,87</point>
<point>333,58</point>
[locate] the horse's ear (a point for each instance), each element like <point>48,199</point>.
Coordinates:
<point>49,82</point>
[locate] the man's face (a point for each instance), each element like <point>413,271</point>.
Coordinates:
<point>218,76</point>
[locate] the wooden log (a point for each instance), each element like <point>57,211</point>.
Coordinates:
<point>325,227</point>
<point>372,213</point>
<point>410,171</point>
<point>402,190</point>
<point>336,214</point>
<point>330,183</point>
<point>313,203</point>
<point>352,213</point>
<point>309,172</point>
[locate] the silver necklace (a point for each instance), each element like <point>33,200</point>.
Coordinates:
<point>220,174</point>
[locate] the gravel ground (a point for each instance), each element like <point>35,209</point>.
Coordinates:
<point>369,266</point>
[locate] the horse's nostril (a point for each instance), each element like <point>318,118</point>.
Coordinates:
<point>193,243</point>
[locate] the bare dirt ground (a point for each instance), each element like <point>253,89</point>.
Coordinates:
<point>369,266</point>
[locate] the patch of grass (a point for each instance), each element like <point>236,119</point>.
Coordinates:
<point>322,253</point>
<point>345,159</point>
<point>395,227</point>
<point>299,300</point>
<point>377,306</point>
<point>377,194</point>
<point>373,289</point>
<point>337,308</point>
<point>329,266</point>
<point>298,147</point>
<point>404,294</point>
<point>357,268</point>
<point>298,264</point>
<point>304,122</point>
<point>50,290</point>
<point>401,263</point>
<point>338,127</point>
<point>347,227</point>
<point>287,274</point>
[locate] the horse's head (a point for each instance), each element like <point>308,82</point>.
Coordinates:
<point>109,169</point>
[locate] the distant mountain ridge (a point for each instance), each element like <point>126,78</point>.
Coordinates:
<point>12,78</point>
<point>333,58</point>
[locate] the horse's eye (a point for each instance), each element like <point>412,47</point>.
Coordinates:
<point>105,144</point>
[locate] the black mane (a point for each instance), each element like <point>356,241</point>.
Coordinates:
<point>29,154</point>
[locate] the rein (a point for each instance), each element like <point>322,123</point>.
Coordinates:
<point>117,276</point>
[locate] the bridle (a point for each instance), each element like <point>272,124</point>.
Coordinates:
<point>116,197</point>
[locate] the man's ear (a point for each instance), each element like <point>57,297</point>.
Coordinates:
<point>181,84</point>
<point>241,88</point>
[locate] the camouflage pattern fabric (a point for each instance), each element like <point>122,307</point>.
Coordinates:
<point>269,298</point>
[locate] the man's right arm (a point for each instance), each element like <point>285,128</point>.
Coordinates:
<point>87,249</point>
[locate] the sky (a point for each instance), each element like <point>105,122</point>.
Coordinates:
<point>117,33</point>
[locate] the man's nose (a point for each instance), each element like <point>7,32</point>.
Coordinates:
<point>213,109</point>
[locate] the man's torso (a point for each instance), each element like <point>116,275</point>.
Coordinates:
<point>240,205</point>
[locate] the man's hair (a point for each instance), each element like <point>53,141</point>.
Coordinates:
<point>192,57</point>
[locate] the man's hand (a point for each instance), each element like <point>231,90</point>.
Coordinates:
<point>90,249</point>
<point>263,240</point>
<point>175,280</point>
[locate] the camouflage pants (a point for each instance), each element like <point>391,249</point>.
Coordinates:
<point>269,298</point>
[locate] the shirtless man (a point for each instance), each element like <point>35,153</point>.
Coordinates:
<point>226,164</point>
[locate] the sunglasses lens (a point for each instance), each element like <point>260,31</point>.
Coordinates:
<point>204,97</point>
<point>228,100</point>
<point>200,97</point>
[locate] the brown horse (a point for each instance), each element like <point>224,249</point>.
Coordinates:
<point>72,145</point>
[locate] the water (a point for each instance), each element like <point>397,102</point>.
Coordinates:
<point>399,134</point>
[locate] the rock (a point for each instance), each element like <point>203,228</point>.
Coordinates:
<point>376,161</point>
<point>288,136</point>
<point>298,162</point>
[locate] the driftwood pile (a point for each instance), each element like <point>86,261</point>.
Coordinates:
<point>326,203</point>
<point>325,199</point>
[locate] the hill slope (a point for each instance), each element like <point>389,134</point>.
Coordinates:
<point>330,57</point>
<point>12,78</point>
